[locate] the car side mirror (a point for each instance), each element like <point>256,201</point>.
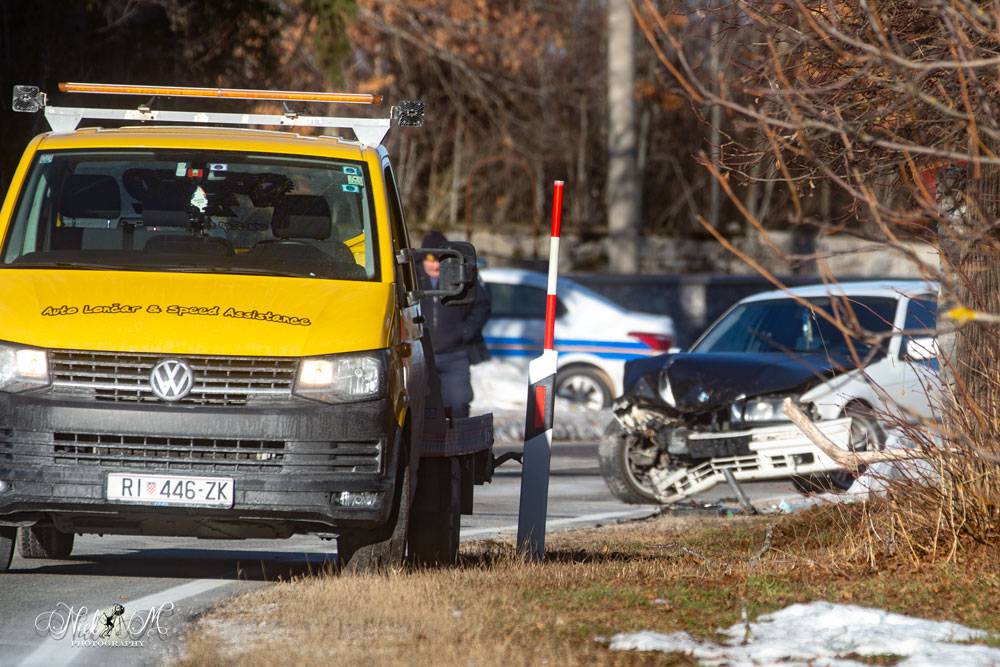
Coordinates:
<point>457,282</point>
<point>923,348</point>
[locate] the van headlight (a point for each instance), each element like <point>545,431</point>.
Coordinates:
<point>341,378</point>
<point>23,368</point>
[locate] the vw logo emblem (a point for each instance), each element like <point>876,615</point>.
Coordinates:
<point>171,380</point>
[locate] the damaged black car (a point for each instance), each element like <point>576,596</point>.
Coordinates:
<point>847,359</point>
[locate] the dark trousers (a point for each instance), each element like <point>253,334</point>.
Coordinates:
<point>456,381</point>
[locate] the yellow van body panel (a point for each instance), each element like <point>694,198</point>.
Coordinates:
<point>190,313</point>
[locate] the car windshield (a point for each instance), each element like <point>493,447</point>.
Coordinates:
<point>195,211</point>
<point>784,325</point>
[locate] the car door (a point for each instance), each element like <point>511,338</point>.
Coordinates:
<point>516,329</point>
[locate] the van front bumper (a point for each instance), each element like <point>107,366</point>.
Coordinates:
<point>290,465</point>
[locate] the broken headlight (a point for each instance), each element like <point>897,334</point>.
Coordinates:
<point>23,368</point>
<point>758,410</point>
<point>666,393</point>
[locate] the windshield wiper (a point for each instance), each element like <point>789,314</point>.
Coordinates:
<point>93,266</point>
<point>163,268</point>
<point>239,270</point>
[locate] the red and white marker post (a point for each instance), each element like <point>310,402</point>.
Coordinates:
<point>538,421</point>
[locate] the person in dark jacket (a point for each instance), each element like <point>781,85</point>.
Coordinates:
<point>456,332</point>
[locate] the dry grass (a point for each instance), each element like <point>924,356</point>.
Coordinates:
<point>948,507</point>
<point>667,574</point>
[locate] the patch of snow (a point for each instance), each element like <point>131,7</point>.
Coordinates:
<point>499,386</point>
<point>502,388</point>
<point>822,634</point>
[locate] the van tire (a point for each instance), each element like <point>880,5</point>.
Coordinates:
<point>612,455</point>
<point>45,541</point>
<point>8,535</point>
<point>379,550</point>
<point>436,519</point>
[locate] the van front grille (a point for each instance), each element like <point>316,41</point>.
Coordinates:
<point>181,453</point>
<point>123,377</point>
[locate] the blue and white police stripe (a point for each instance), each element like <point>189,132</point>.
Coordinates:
<point>500,346</point>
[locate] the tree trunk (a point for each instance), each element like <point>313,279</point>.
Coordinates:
<point>623,185</point>
<point>975,265</point>
<point>581,195</point>
<point>715,119</point>
<point>456,181</point>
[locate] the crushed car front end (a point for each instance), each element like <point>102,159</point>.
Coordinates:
<point>679,452</point>
<point>687,421</point>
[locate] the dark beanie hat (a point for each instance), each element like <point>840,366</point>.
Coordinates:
<point>434,240</point>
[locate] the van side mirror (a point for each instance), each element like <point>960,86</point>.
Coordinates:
<point>923,348</point>
<point>457,283</point>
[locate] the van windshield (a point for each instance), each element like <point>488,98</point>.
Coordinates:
<point>195,211</point>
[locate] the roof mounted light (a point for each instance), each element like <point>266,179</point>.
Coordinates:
<point>409,113</point>
<point>28,99</point>
<point>220,93</point>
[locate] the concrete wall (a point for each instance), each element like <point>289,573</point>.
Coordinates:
<point>842,254</point>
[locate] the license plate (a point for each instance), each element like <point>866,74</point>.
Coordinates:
<point>170,489</point>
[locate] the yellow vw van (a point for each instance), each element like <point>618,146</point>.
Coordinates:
<point>213,331</point>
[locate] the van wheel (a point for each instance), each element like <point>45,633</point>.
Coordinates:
<point>46,541</point>
<point>8,535</point>
<point>436,520</point>
<point>382,549</point>
<point>584,385</point>
<point>866,436</point>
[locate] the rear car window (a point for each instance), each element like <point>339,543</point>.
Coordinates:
<point>195,211</point>
<point>520,302</point>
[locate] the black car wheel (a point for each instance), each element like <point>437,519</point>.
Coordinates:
<point>866,435</point>
<point>45,541</point>
<point>626,460</point>
<point>584,385</point>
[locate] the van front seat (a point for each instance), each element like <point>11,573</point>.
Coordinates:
<point>298,222</point>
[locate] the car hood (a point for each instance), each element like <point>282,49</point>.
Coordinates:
<point>707,381</point>
<point>189,313</point>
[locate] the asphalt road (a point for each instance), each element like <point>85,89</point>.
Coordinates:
<point>183,577</point>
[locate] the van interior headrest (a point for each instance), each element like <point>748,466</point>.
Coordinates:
<point>91,196</point>
<point>301,217</point>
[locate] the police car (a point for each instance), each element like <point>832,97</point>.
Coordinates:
<point>594,336</point>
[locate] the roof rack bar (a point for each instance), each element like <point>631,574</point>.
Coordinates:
<point>369,131</point>
<point>220,93</point>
